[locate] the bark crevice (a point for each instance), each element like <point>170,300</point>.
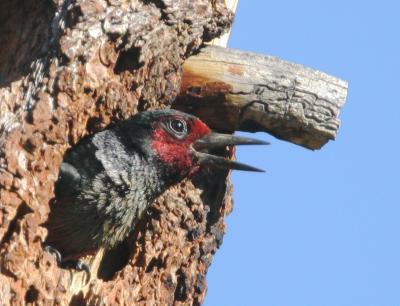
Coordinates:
<point>82,65</point>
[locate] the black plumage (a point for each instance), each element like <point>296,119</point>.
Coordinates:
<point>109,179</point>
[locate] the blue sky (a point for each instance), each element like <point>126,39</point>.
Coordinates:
<point>320,228</point>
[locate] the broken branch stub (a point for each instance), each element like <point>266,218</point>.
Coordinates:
<point>236,90</point>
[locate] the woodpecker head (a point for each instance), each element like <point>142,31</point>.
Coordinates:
<point>181,141</point>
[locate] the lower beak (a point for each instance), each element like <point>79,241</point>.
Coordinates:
<point>215,140</point>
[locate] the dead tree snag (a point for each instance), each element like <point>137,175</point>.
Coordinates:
<point>71,67</point>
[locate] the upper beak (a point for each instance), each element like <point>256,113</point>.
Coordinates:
<point>216,140</point>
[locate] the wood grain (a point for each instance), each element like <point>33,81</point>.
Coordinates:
<point>237,90</point>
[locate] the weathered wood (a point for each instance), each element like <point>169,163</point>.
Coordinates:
<point>236,90</point>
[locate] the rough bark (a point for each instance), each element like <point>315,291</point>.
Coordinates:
<point>69,68</point>
<point>236,90</point>
<point>222,40</point>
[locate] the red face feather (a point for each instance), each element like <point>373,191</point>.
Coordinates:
<point>174,151</point>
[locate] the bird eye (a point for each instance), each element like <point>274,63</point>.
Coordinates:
<point>178,127</point>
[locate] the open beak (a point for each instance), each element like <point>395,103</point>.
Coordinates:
<point>216,140</point>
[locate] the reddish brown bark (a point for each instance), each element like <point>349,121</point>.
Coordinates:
<point>70,68</point>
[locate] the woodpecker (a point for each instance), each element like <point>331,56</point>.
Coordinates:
<point>109,179</point>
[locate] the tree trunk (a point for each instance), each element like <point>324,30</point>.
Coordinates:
<point>68,69</point>
<point>71,67</point>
